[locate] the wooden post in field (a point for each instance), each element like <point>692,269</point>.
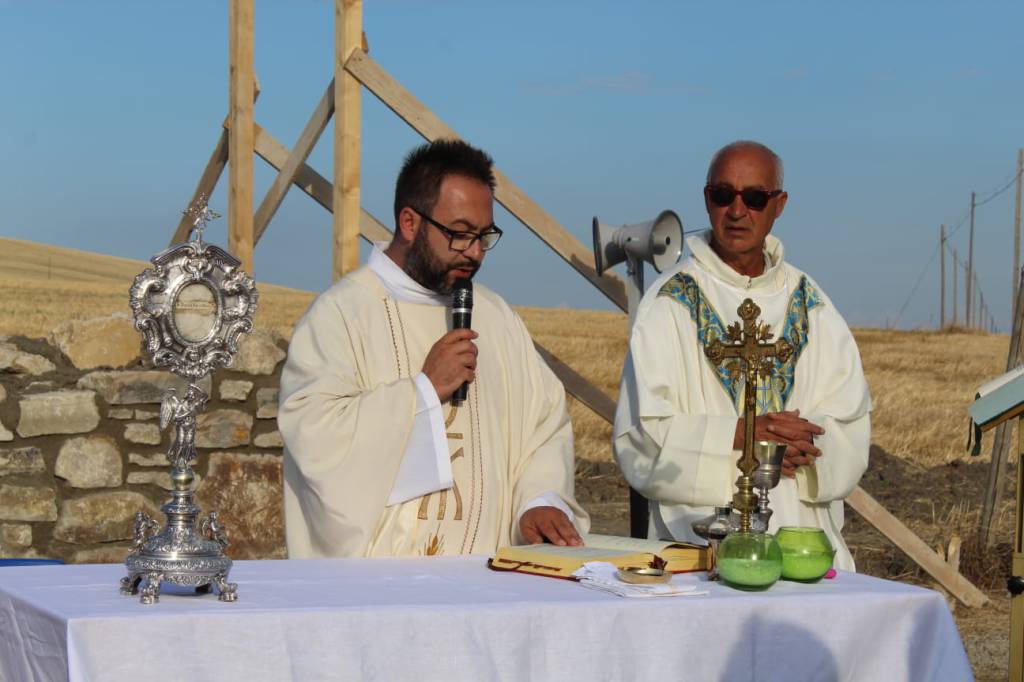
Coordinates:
<point>348,33</point>
<point>1017,601</point>
<point>970,267</point>
<point>956,268</point>
<point>942,277</point>
<point>240,138</point>
<point>1001,445</point>
<point>978,300</point>
<point>1016,233</point>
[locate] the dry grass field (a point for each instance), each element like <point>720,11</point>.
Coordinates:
<point>921,384</point>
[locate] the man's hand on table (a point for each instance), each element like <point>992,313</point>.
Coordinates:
<point>790,428</point>
<point>548,524</point>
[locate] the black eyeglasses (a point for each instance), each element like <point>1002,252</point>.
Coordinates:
<point>462,240</point>
<point>754,199</point>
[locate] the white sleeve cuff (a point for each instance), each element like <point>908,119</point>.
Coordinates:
<point>426,465</point>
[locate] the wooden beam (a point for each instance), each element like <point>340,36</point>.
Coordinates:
<point>995,487</point>
<point>540,222</point>
<point>315,185</point>
<point>578,386</point>
<point>211,173</point>
<point>299,153</point>
<point>1017,600</point>
<point>240,139</point>
<point>348,38</point>
<point>915,548</point>
<point>207,183</point>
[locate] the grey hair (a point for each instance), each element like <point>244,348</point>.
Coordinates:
<point>739,145</point>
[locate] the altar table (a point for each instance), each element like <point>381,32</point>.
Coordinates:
<point>450,618</point>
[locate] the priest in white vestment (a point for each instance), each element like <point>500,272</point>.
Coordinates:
<point>679,430</point>
<point>379,461</point>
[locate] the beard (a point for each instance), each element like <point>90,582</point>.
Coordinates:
<point>427,269</point>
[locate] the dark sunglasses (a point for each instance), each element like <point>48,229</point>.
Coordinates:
<point>754,199</point>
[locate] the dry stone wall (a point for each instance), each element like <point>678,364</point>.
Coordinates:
<point>81,448</point>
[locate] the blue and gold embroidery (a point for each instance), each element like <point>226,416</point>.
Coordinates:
<point>772,395</point>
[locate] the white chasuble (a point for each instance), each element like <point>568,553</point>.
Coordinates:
<point>677,412</point>
<point>347,407</point>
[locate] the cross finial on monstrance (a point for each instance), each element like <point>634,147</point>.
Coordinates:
<point>200,214</point>
<point>749,351</point>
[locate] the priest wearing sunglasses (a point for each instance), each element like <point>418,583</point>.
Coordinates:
<point>679,428</point>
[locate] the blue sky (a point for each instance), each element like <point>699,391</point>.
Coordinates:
<point>887,116</point>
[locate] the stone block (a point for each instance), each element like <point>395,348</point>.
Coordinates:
<point>235,390</point>
<point>58,412</point>
<point>99,342</point>
<point>119,413</point>
<point>224,429</point>
<point>144,434</point>
<point>21,461</point>
<point>144,415</point>
<point>245,491</point>
<point>28,503</point>
<point>89,462</point>
<point>136,386</point>
<point>5,434</point>
<point>258,353</point>
<point>269,440</point>
<point>102,517</point>
<point>104,554</point>
<point>157,460</point>
<point>157,478</point>
<point>17,361</point>
<point>266,403</point>
<point>3,393</point>
<point>15,535</point>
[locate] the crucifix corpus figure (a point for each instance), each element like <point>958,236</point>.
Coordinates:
<point>750,353</point>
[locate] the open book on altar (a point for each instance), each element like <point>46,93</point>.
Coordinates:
<point>561,562</point>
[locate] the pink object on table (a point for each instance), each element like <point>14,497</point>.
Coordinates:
<point>831,574</point>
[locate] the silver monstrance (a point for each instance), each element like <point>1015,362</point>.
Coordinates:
<point>192,307</point>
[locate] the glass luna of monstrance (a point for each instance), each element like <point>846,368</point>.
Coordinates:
<point>191,307</point>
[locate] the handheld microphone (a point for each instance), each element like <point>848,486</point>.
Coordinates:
<point>462,318</point>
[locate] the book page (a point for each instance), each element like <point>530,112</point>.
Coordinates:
<point>581,553</point>
<point>625,544</point>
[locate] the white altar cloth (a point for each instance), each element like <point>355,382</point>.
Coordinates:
<point>450,618</point>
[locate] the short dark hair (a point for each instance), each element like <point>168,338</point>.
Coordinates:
<point>424,168</point>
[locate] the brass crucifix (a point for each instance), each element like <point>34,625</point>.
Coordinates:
<point>748,350</point>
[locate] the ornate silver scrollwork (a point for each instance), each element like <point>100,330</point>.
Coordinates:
<point>191,307</point>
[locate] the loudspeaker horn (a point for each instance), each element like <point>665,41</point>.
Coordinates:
<point>658,241</point>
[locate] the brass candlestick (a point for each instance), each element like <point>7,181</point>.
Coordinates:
<point>750,354</point>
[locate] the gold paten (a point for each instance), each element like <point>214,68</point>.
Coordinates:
<point>750,352</point>
<point>644,576</point>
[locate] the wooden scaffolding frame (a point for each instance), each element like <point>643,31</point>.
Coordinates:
<point>242,138</point>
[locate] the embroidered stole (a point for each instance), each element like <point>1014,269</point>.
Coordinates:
<point>772,394</point>
<point>447,521</point>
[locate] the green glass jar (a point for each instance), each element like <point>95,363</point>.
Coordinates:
<point>749,561</point>
<point>807,553</point>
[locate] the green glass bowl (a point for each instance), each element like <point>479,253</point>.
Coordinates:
<point>807,553</point>
<point>749,561</point>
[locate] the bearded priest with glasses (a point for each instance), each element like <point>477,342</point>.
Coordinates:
<point>679,429</point>
<point>379,459</point>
